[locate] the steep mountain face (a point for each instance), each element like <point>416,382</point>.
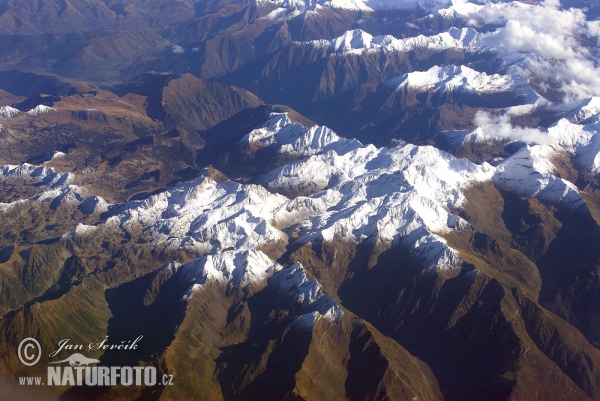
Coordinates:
<point>306,72</point>
<point>32,17</point>
<point>186,100</point>
<point>395,236</point>
<point>414,215</point>
<point>138,139</point>
<point>105,43</point>
<point>120,40</point>
<point>419,106</point>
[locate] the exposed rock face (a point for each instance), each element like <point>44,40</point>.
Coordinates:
<point>424,227</point>
<point>386,269</point>
<point>305,72</point>
<point>135,140</point>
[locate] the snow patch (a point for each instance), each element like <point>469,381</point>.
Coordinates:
<point>40,109</point>
<point>38,174</point>
<point>8,112</point>
<point>398,195</point>
<point>357,41</point>
<point>461,78</point>
<point>454,7</point>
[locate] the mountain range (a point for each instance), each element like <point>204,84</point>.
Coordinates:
<point>290,200</point>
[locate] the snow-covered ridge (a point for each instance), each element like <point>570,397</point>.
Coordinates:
<point>575,135</point>
<point>452,6</point>
<point>253,270</point>
<point>462,78</point>
<point>244,268</point>
<point>305,296</point>
<point>531,171</point>
<point>399,195</point>
<point>8,112</point>
<point>357,41</point>
<point>52,187</point>
<point>404,194</point>
<point>39,174</point>
<point>352,192</point>
<point>240,268</point>
<point>584,111</point>
<point>579,140</point>
<point>281,134</point>
<point>351,40</point>
<point>205,216</point>
<point>40,109</point>
<point>340,190</point>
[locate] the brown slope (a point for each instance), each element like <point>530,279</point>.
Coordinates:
<point>26,84</point>
<point>303,73</point>
<point>223,39</point>
<point>465,329</point>
<point>27,17</point>
<point>545,236</point>
<point>239,343</point>
<point>119,146</point>
<point>185,100</point>
<point>248,349</point>
<point>201,104</point>
<point>381,113</point>
<point>228,35</point>
<point>484,335</point>
<point>84,315</point>
<point>50,268</point>
<point>99,56</point>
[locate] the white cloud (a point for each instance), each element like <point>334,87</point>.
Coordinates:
<point>501,127</point>
<point>593,28</point>
<point>548,38</point>
<point>178,49</point>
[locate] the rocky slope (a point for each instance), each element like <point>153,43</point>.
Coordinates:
<point>385,250</point>
<point>425,226</point>
<point>138,138</point>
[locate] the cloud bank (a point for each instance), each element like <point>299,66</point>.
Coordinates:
<point>177,49</point>
<point>501,127</point>
<point>547,41</point>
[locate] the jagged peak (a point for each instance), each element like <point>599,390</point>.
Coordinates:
<point>453,77</point>
<point>8,112</point>
<point>431,6</point>
<point>351,40</point>
<point>357,40</point>
<point>40,109</point>
<point>585,111</point>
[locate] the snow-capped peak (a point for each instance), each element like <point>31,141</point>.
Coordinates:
<point>289,138</point>
<point>393,195</point>
<point>450,78</point>
<point>530,172</point>
<point>351,40</point>
<point>38,174</point>
<point>239,268</point>
<point>8,112</point>
<point>205,216</point>
<point>40,109</point>
<point>584,111</point>
<point>452,6</point>
<point>357,41</point>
